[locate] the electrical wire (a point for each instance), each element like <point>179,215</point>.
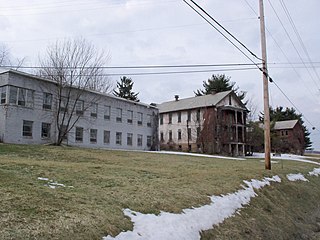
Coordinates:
<point>274,81</point>
<point>229,33</point>
<point>223,35</point>
<point>141,66</point>
<point>169,72</point>
<point>298,35</point>
<point>294,46</point>
<point>286,57</point>
<point>285,95</point>
<point>72,8</point>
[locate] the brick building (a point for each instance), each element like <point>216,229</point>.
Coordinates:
<point>214,123</point>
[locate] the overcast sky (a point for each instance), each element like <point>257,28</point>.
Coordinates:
<point>168,32</point>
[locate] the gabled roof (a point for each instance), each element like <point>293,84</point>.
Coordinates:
<point>289,124</point>
<point>194,102</point>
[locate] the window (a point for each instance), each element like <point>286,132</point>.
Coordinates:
<point>170,118</point>
<point>149,118</point>
<point>119,115</point>
<point>139,140</point>
<point>161,137</point>
<point>129,139</point>
<point>161,119</point>
<point>130,116</point>
<point>170,135</point>
<point>21,96</point>
<point>79,134</point>
<point>179,134</point>
<point>45,130</point>
<point>106,137</point>
<point>13,94</point>
<point>118,138</point>
<point>79,107</point>
<point>189,115</point>
<point>94,110</point>
<point>93,135</point>
<point>27,128</point>
<point>198,132</point>
<point>198,115</point>
<point>189,134</point>
<point>140,116</point>
<point>179,117</point>
<point>230,102</point>
<point>3,94</point>
<point>30,98</point>
<point>64,132</point>
<point>107,112</point>
<point>149,141</point>
<point>63,104</point>
<point>47,101</point>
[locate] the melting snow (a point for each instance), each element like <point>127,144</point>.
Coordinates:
<point>287,157</point>
<point>315,172</point>
<point>190,222</point>
<point>199,155</point>
<point>52,184</point>
<point>296,177</point>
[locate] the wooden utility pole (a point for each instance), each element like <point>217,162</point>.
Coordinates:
<point>267,142</point>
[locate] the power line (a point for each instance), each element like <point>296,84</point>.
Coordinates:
<point>100,6</point>
<point>164,73</point>
<point>285,95</point>
<point>229,33</point>
<point>298,35</point>
<point>285,55</point>
<point>222,34</point>
<point>294,46</point>
<point>291,67</point>
<point>273,65</point>
<point>141,66</point>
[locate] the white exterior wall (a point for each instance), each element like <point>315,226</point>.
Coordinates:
<point>165,128</point>
<point>12,116</point>
<point>226,102</point>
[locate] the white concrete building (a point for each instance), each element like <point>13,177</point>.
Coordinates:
<point>28,111</point>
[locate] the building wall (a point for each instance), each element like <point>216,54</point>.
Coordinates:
<point>12,125</point>
<point>291,140</point>
<point>174,127</point>
<point>221,130</point>
<point>2,123</point>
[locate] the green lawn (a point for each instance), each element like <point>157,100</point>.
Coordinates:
<point>105,182</point>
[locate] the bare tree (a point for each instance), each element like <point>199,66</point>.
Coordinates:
<point>252,107</point>
<point>4,55</point>
<point>5,58</point>
<point>76,67</point>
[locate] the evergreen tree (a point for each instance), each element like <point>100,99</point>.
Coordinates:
<point>281,114</point>
<point>219,83</point>
<point>124,89</point>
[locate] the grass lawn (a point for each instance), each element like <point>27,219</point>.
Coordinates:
<point>105,182</point>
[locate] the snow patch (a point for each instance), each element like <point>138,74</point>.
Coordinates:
<point>51,184</point>
<point>190,222</point>
<point>315,172</point>
<point>296,177</point>
<point>291,157</point>
<point>200,155</point>
<point>262,161</point>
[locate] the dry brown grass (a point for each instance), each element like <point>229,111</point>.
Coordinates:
<point>105,182</point>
